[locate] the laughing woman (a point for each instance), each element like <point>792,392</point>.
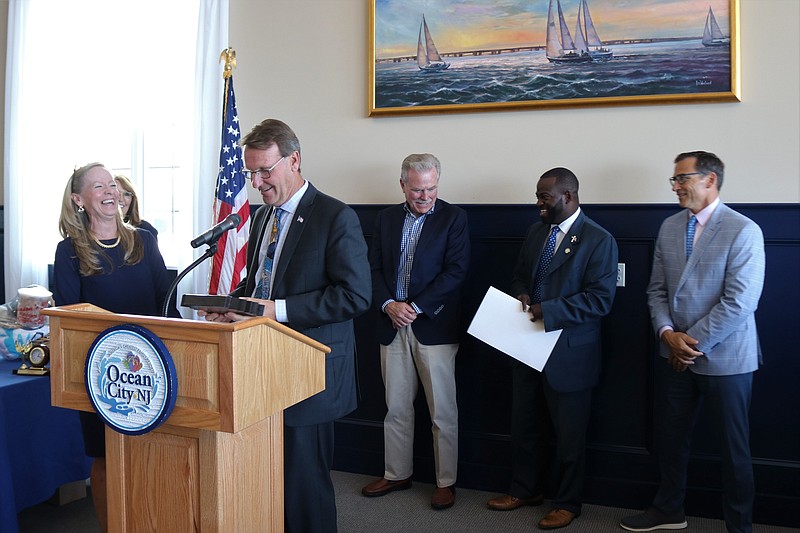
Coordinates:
<point>108,263</point>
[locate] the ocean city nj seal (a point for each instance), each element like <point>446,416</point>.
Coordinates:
<point>130,379</point>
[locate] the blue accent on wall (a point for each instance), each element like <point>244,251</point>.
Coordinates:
<point>3,252</point>
<point>620,469</point>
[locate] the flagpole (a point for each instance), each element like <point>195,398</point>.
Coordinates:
<point>229,55</point>
<point>230,194</point>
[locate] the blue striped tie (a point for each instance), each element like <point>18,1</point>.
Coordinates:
<point>263,287</point>
<point>690,235</point>
<point>544,263</point>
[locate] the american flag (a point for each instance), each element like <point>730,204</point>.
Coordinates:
<point>231,197</point>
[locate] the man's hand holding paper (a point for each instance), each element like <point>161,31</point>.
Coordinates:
<point>503,324</point>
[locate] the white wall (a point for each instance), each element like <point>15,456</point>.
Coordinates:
<point>305,62</point>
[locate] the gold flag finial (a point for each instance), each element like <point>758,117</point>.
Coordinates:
<point>229,55</point>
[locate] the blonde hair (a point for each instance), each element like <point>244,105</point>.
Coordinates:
<point>75,224</point>
<point>132,217</point>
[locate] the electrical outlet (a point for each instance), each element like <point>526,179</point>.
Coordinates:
<point>620,274</point>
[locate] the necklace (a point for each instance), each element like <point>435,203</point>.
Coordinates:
<point>106,246</point>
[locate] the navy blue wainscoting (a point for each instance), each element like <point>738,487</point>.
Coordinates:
<point>620,469</point>
<point>2,253</point>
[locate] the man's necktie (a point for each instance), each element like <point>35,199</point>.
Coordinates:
<point>263,288</point>
<point>690,235</point>
<point>544,263</point>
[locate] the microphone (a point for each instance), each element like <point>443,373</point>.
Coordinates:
<point>213,234</point>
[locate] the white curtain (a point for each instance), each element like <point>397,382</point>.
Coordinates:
<point>77,92</point>
<point>213,38</point>
<point>14,189</point>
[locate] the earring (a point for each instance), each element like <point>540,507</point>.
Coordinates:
<point>81,209</point>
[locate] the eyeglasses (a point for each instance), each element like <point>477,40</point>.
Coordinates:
<point>261,172</point>
<point>683,178</point>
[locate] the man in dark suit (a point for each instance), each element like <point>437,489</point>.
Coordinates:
<point>708,272</point>
<point>419,260</point>
<point>307,264</point>
<point>566,277</point>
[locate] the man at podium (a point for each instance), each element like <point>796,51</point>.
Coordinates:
<point>307,264</point>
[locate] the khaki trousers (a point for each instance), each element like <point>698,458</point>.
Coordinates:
<point>401,362</point>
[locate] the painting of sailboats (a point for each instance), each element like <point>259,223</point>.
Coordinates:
<point>586,46</point>
<point>712,34</point>
<point>560,46</point>
<point>428,58</point>
<point>515,54</point>
<point>593,42</point>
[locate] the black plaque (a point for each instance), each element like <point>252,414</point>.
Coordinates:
<point>222,304</point>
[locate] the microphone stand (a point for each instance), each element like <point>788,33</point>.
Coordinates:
<point>210,251</point>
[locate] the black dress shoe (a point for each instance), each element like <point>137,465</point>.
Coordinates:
<point>384,486</point>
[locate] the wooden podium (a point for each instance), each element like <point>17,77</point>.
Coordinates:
<point>216,464</point>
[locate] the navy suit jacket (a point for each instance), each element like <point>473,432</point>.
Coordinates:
<point>439,269</point>
<point>323,274</point>
<point>577,291</point>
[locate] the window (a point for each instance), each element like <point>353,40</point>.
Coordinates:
<point>112,82</point>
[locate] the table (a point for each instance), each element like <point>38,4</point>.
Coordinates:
<point>41,447</point>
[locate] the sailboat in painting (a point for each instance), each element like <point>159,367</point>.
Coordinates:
<point>593,42</point>
<point>712,34</point>
<point>428,58</point>
<point>560,46</point>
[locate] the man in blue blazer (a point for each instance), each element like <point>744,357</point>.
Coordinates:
<point>419,259</point>
<point>307,264</point>
<point>708,272</point>
<point>566,277</point>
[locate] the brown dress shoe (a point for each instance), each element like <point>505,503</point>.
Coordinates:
<point>383,486</point>
<point>509,502</point>
<point>557,518</point>
<point>443,497</point>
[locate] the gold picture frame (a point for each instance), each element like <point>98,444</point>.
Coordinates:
<point>665,58</point>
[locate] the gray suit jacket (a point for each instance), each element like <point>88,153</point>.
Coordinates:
<point>712,297</point>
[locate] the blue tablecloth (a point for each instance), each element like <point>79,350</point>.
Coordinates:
<point>41,447</point>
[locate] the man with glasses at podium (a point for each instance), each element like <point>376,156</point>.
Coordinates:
<point>307,265</point>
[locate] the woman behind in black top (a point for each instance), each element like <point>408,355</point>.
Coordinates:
<point>129,203</point>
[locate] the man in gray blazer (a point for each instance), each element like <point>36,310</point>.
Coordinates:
<point>707,276</point>
<point>307,264</point>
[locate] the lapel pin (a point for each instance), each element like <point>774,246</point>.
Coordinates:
<point>574,239</point>
<point>567,251</point>
<point>300,219</point>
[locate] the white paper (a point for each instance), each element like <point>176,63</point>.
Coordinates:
<point>502,324</point>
